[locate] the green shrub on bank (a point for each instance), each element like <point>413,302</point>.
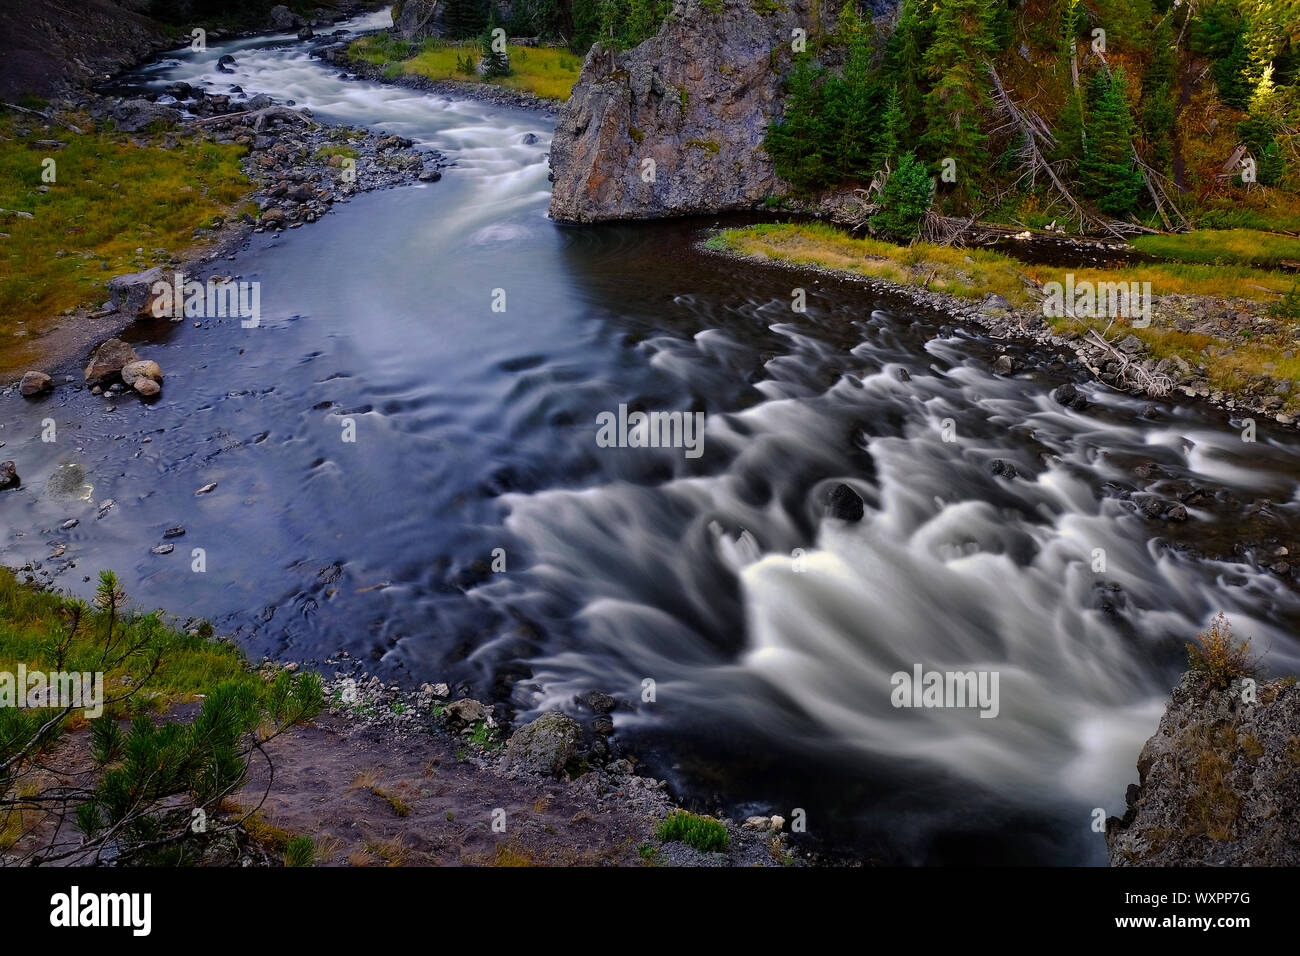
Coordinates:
<point>703,833</point>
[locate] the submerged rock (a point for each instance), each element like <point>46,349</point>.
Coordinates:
<point>1219,781</point>
<point>9,475</point>
<point>546,745</point>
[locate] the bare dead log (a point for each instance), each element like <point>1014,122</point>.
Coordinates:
<point>259,117</point>
<point>48,117</point>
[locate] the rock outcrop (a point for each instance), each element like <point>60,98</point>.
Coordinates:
<point>674,126</point>
<point>1219,781</point>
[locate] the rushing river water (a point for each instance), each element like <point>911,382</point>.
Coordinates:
<point>476,430</point>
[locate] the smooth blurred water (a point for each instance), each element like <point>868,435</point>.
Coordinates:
<point>476,431</point>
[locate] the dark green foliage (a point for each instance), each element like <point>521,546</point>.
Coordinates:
<point>893,132</point>
<point>797,142</point>
<point>1107,170</point>
<point>1259,133</point>
<point>904,200</point>
<point>703,833</point>
<point>1158,102</point>
<point>464,19</point>
<point>1218,33</point>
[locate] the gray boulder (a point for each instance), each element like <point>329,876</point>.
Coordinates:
<point>131,116</point>
<point>132,293</point>
<point>282,18</point>
<point>546,745</point>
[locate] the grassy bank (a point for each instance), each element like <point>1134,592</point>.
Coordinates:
<point>1241,246</point>
<point>116,204</point>
<point>37,630</point>
<point>1232,359</point>
<point>548,72</point>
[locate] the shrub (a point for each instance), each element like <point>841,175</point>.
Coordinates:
<point>904,200</point>
<point>703,833</point>
<point>1218,655</point>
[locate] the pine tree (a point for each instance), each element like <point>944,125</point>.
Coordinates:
<point>494,62</point>
<point>904,60</point>
<point>1107,169</point>
<point>797,143</point>
<point>954,61</point>
<point>853,112</point>
<point>893,132</point>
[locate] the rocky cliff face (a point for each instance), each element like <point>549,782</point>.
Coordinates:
<point>674,126</point>
<point>1220,782</point>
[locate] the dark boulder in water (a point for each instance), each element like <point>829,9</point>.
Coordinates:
<point>1070,397</point>
<point>844,503</point>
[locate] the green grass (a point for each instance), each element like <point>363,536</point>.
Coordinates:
<point>548,72</point>
<point>300,851</point>
<point>109,199</point>
<point>33,621</point>
<point>1238,246</point>
<point>703,833</point>
<point>325,152</point>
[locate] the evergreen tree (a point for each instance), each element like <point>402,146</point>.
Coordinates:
<point>954,61</point>
<point>904,60</point>
<point>1158,106</point>
<point>850,100</point>
<point>494,62</point>
<point>893,132</point>
<point>797,143</point>
<point>464,19</point>
<point>1107,169</point>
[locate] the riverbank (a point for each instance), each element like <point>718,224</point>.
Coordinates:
<point>240,167</point>
<point>344,57</point>
<point>384,776</point>
<point>1216,335</point>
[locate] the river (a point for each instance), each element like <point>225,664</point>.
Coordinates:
<point>769,630</point>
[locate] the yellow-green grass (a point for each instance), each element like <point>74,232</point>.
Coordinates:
<point>966,273</point>
<point>1230,363</point>
<point>33,622</point>
<point>1243,246</point>
<point>548,72</point>
<point>110,197</point>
